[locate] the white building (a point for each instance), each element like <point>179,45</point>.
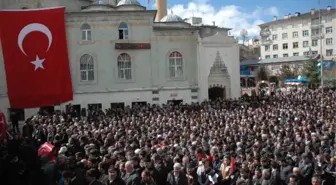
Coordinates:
<point>119,55</point>
<point>291,38</point>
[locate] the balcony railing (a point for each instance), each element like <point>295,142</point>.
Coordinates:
<point>316,25</point>
<point>265,32</point>
<point>266,42</point>
<point>317,36</point>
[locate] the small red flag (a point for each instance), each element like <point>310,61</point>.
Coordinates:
<point>232,165</point>
<point>35,56</point>
<point>3,126</point>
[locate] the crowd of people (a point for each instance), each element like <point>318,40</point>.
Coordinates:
<point>282,139</point>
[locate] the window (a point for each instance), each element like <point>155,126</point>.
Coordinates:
<point>275,56</point>
<point>315,21</point>
<point>295,54</point>
<point>328,18</point>
<point>18,114</point>
<point>95,106</point>
<point>315,32</point>
<point>275,37</point>
<point>123,31</point>
<point>285,46</point>
<point>314,42</point>
<point>295,44</point>
<point>267,48</point>
<point>120,105</point>
<point>285,55</point>
<point>329,41</point>
<point>175,65</point>
<point>124,67</point>
<point>329,52</point>
<point>100,1</point>
<point>295,34</point>
<point>305,44</point>
<point>284,36</point>
<point>306,53</point>
<point>267,56</point>
<point>328,29</point>
<point>314,53</point>
<point>86,32</point>
<point>275,47</point>
<point>305,33</point>
<point>86,68</point>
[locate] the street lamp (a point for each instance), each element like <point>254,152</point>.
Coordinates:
<point>321,35</point>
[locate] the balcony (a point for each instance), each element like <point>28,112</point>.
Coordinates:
<point>314,26</point>
<point>265,33</point>
<point>317,36</point>
<point>266,43</point>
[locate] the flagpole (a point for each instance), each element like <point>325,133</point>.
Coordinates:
<point>321,55</point>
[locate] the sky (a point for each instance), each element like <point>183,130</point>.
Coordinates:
<point>239,14</point>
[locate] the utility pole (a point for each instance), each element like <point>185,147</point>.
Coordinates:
<point>321,41</point>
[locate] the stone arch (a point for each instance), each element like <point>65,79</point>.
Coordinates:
<point>216,85</point>
<point>217,91</point>
<point>270,88</point>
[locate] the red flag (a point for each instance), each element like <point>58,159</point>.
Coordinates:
<point>232,165</point>
<point>36,57</point>
<point>3,126</point>
<point>46,149</point>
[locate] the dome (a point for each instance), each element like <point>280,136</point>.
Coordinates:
<point>171,18</point>
<point>128,2</point>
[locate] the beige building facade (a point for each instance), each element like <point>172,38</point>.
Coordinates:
<point>297,34</point>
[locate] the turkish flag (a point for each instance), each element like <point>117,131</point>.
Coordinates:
<point>46,149</point>
<point>3,126</point>
<point>232,164</point>
<point>35,57</point>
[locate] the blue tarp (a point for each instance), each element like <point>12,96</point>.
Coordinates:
<point>300,79</point>
<point>327,64</point>
<point>244,70</point>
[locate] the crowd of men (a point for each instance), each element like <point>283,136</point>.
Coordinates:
<point>283,139</point>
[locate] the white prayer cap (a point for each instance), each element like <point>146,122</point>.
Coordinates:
<point>62,150</point>
<point>137,151</point>
<point>177,165</point>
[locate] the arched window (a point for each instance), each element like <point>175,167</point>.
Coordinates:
<point>124,67</point>
<point>86,32</point>
<point>123,31</point>
<point>87,68</point>
<point>175,65</point>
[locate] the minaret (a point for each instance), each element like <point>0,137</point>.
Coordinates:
<point>161,7</point>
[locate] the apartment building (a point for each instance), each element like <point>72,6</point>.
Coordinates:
<point>296,38</point>
<point>249,51</point>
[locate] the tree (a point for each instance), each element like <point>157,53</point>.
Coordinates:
<point>243,35</point>
<point>262,74</point>
<point>310,70</point>
<point>287,72</point>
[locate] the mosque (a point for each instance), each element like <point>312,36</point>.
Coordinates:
<point>122,54</point>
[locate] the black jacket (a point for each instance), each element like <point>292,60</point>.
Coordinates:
<point>132,179</point>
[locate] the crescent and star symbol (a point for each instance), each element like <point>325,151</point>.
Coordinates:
<point>38,63</point>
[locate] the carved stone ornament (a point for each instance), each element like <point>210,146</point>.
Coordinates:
<point>218,66</point>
